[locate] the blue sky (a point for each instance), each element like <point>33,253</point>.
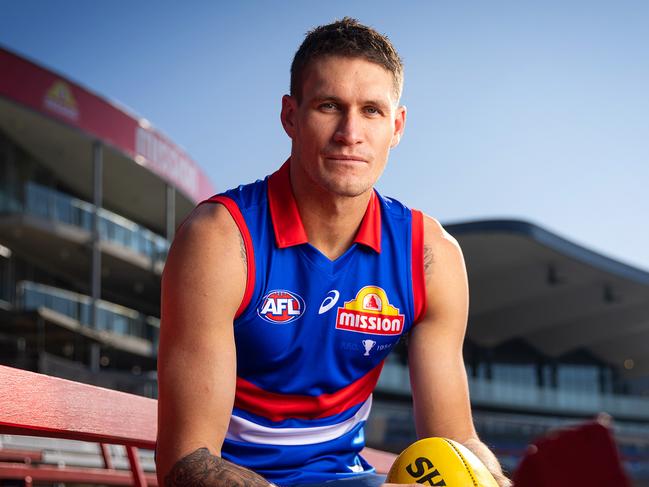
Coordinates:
<point>516,109</point>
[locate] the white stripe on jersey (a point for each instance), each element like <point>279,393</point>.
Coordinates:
<point>244,430</point>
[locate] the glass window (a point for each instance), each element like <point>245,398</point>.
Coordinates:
<point>578,378</point>
<point>547,375</point>
<point>482,370</point>
<point>120,324</point>
<point>519,374</point>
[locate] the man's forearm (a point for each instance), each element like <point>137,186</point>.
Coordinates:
<point>202,469</point>
<point>489,459</point>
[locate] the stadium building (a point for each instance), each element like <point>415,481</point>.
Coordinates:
<point>556,335</point>
<point>90,195</point>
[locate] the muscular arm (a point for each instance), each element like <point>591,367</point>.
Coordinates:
<point>202,287</point>
<point>437,373</point>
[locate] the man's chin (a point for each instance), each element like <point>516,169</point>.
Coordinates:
<point>347,189</point>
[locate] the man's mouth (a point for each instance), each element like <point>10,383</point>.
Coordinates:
<point>345,157</point>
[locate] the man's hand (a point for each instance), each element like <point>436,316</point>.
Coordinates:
<point>490,461</point>
<point>503,481</point>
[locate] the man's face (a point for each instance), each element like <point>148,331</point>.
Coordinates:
<point>345,125</point>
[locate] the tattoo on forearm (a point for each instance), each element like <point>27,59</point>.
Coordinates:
<point>428,261</point>
<point>202,469</point>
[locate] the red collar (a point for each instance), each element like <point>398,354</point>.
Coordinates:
<point>287,223</point>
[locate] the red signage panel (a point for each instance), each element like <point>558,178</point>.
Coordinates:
<point>52,95</point>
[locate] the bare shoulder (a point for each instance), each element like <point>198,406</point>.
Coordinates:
<point>441,250</point>
<point>447,287</point>
<point>207,221</point>
<point>207,257</point>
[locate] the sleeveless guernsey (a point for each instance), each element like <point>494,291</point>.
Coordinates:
<point>311,334</point>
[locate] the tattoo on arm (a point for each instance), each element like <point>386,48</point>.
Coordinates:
<point>242,248</point>
<point>428,261</point>
<point>202,469</point>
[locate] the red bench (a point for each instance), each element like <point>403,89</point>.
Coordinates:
<point>39,405</point>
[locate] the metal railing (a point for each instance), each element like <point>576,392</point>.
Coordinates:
<point>111,317</point>
<point>59,207</point>
<point>484,392</point>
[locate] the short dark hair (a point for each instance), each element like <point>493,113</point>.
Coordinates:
<point>348,38</point>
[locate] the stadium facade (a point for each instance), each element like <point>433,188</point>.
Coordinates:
<point>89,198</point>
<point>90,195</point>
<point>557,334</point>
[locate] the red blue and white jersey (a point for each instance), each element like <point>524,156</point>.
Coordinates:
<point>312,334</point>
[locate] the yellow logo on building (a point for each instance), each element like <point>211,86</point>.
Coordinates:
<point>60,100</point>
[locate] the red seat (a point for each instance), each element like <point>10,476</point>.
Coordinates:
<point>583,455</point>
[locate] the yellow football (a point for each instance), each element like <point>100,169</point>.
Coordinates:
<point>439,461</point>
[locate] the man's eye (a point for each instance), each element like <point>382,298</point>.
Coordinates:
<point>328,106</point>
<point>372,110</point>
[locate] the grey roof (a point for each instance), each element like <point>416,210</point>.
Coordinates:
<point>531,284</point>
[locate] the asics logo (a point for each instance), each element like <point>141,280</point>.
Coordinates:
<point>329,302</point>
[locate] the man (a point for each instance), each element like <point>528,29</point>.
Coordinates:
<point>280,299</point>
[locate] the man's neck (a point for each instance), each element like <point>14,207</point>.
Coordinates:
<point>331,221</point>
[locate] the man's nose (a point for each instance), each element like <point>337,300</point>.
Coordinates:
<point>349,130</point>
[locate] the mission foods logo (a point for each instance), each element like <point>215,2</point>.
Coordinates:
<point>281,306</point>
<point>59,99</point>
<point>370,312</point>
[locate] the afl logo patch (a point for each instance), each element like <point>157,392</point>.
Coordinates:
<point>281,306</point>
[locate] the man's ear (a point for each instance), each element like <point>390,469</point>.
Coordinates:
<point>288,114</point>
<point>399,125</point>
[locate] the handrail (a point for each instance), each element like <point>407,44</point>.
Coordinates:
<point>112,316</point>
<point>57,408</point>
<point>55,205</point>
<point>484,392</point>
